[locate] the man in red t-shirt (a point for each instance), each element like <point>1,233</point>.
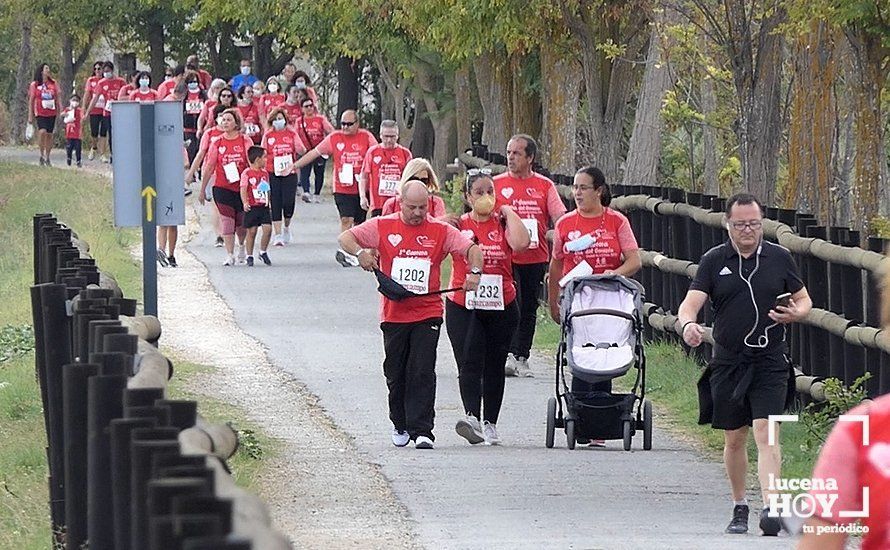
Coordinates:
<point>537,202</point>
<point>106,91</point>
<point>382,169</point>
<point>348,146</point>
<point>409,247</point>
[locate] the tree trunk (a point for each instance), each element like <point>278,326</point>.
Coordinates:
<point>708,94</point>
<point>262,55</point>
<point>434,85</point>
<point>396,88</point>
<point>22,81</point>
<point>758,95</point>
<point>463,107</point>
<point>423,140</point>
<point>871,158</point>
<point>494,85</point>
<point>813,126</point>
<point>526,103</point>
<point>66,69</point>
<point>156,53</point>
<point>347,84</point>
<point>641,165</point>
<point>561,82</point>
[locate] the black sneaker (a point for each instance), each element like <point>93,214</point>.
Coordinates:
<point>219,242</point>
<point>250,261</point>
<point>340,256</point>
<point>265,257</point>
<point>42,162</point>
<point>68,160</point>
<point>162,258</point>
<point>768,524</point>
<point>739,523</point>
<point>172,261</point>
<point>79,164</point>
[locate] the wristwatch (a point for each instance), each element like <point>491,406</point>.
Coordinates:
<point>475,271</point>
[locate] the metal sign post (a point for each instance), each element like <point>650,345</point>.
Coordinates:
<point>148,178</point>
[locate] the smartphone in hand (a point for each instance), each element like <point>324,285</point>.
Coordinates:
<point>783,300</point>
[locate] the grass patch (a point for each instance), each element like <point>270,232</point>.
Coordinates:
<point>671,378</point>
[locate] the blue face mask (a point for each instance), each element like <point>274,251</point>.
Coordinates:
<point>193,86</point>
<point>581,244</point>
<point>245,71</point>
<point>278,124</point>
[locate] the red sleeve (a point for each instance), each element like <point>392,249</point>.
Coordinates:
<point>325,148</point>
<point>555,206</point>
<point>245,180</point>
<point>211,158</point>
<point>326,124</point>
<point>299,146</point>
<point>626,238</point>
<point>455,241</point>
<point>366,163</point>
<point>371,139</point>
<point>439,209</point>
<point>367,234</point>
<point>389,207</point>
<point>558,253</point>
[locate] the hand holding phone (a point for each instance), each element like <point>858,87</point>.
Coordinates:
<point>783,300</point>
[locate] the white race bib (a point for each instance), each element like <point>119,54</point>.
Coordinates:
<point>100,103</point>
<point>48,104</point>
<point>259,196</point>
<point>531,224</point>
<point>231,171</point>
<point>489,295</point>
<point>412,273</point>
<point>388,186</point>
<point>347,174</point>
<point>251,129</point>
<point>282,164</point>
<point>193,107</point>
<point>108,106</point>
<point>69,117</point>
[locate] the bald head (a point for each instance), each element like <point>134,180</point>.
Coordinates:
<point>349,122</point>
<point>415,201</point>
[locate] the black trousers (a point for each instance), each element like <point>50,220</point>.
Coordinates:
<point>317,167</point>
<point>410,369</point>
<point>529,278</point>
<point>480,340</point>
<point>283,195</point>
<point>73,146</point>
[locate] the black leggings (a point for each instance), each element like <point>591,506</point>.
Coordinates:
<point>317,166</point>
<point>528,279</point>
<point>73,146</point>
<point>480,340</point>
<point>283,195</point>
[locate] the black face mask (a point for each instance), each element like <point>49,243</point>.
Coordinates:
<point>396,292</point>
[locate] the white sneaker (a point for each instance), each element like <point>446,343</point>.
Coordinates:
<point>242,254</point>
<point>491,433</point>
<point>285,235</point>
<point>230,260</point>
<point>276,240</point>
<point>522,369</point>
<point>92,154</point>
<point>470,429</point>
<point>400,439</point>
<point>317,199</point>
<point>423,442</point>
<point>510,366</point>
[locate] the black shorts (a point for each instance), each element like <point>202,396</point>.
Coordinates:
<point>349,206</point>
<point>46,123</point>
<point>375,213</point>
<point>105,126</point>
<point>257,216</point>
<point>230,208</point>
<point>95,125</point>
<point>766,393</point>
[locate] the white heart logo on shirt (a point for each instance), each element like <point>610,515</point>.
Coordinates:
<point>573,235</point>
<point>507,192</point>
<point>394,239</point>
<point>341,146</point>
<point>252,180</point>
<point>377,160</point>
<point>879,456</point>
<point>271,141</point>
<point>467,233</point>
<point>221,150</point>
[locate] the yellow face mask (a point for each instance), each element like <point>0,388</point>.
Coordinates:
<point>484,205</point>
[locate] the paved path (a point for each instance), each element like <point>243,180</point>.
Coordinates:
<point>319,322</point>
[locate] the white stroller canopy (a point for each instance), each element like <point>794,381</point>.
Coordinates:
<point>601,345</point>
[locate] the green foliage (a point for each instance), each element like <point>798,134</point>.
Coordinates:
<point>15,341</point>
<point>880,227</point>
<point>819,418</point>
<point>453,194</point>
<point>248,443</point>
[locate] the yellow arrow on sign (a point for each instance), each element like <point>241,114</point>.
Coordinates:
<point>149,193</point>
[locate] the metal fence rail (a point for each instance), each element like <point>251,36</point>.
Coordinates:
<point>840,338</point>
<point>128,468</point>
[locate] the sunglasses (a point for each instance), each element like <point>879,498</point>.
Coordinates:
<point>308,105</point>
<point>226,95</point>
<point>347,123</point>
<point>479,172</point>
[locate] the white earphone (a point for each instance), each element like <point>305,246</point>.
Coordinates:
<point>763,339</point>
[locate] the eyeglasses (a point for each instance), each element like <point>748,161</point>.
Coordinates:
<point>478,172</point>
<point>754,225</point>
<point>226,95</point>
<point>390,136</point>
<point>308,105</point>
<point>346,123</point>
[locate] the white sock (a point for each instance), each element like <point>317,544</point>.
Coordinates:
<point>262,251</point>
<point>743,502</point>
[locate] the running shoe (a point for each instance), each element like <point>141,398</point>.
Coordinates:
<point>172,261</point>
<point>285,235</point>
<point>739,523</point>
<point>79,164</point>
<point>265,257</point>
<point>250,261</point>
<point>491,433</point>
<point>470,429</point>
<point>92,155</point>
<point>68,160</point>
<point>769,525</point>
<point>219,242</point>
<point>230,260</point>
<point>510,366</point>
<point>423,442</point>
<point>162,258</point>
<point>400,438</point>
<point>276,240</point>
<point>522,368</point>
<point>340,256</point>
<point>48,163</point>
<point>242,254</point>
<point>307,197</point>
<point>187,191</point>
<point>42,162</point>
<point>317,199</point>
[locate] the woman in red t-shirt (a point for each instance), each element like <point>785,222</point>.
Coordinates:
<point>591,239</point>
<point>481,324</point>
<point>43,102</point>
<point>250,114</point>
<point>273,97</point>
<point>418,169</point>
<point>143,91</point>
<point>283,148</point>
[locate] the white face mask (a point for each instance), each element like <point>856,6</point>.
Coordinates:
<point>273,88</point>
<point>74,103</point>
<point>168,77</point>
<point>300,84</point>
<point>193,86</point>
<point>144,82</point>
<point>581,243</point>
<point>107,74</point>
<point>245,71</point>
<point>278,124</point>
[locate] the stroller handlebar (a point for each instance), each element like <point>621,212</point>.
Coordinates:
<point>601,311</point>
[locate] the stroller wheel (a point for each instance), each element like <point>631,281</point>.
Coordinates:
<point>551,421</point>
<point>570,433</point>
<point>628,434</point>
<point>647,425</point>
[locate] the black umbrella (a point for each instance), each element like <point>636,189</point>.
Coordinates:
<point>394,291</point>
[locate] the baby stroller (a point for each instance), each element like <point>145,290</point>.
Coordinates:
<point>601,339</point>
